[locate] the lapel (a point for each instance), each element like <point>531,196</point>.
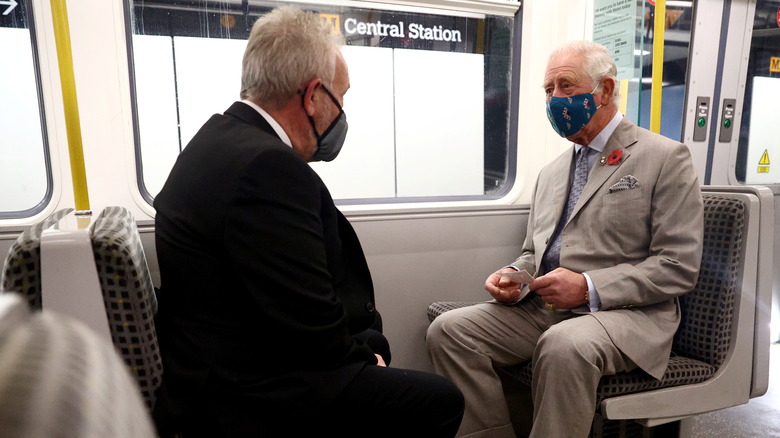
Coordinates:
<point>624,137</point>
<point>247,114</point>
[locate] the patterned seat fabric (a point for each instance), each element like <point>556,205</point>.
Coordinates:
<point>59,379</point>
<point>703,338</point>
<point>680,371</point>
<point>129,296</point>
<point>440,307</point>
<point>707,311</point>
<point>22,268</point>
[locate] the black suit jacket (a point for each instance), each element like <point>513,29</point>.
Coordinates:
<point>263,280</point>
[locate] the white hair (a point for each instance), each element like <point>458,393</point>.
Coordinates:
<point>286,48</point>
<point>598,62</point>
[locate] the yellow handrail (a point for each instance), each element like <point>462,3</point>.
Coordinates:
<point>70,102</point>
<point>659,27</point>
<point>623,96</point>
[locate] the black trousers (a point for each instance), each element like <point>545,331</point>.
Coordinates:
<point>379,402</point>
<point>389,402</point>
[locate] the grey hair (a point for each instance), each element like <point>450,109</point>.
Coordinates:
<point>286,48</point>
<point>598,62</point>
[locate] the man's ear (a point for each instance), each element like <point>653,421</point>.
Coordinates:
<point>607,92</point>
<point>309,95</point>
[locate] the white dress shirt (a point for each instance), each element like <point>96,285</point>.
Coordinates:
<point>274,124</point>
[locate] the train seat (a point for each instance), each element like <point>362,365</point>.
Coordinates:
<point>129,296</point>
<point>720,353</point>
<point>58,378</point>
<point>21,270</point>
<point>96,272</point>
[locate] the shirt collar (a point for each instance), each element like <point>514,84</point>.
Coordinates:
<point>274,124</point>
<point>600,141</point>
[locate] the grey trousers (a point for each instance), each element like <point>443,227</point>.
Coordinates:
<point>570,353</point>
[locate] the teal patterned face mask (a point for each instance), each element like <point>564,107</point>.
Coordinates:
<point>568,115</point>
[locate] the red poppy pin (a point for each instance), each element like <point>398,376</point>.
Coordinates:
<point>614,157</point>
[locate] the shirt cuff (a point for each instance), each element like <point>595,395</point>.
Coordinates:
<point>594,302</point>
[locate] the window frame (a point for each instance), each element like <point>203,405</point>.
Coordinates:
<point>503,8</point>
<point>47,157</point>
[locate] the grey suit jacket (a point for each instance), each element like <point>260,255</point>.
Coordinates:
<point>641,246</point>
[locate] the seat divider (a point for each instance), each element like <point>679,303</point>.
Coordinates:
<point>69,280</point>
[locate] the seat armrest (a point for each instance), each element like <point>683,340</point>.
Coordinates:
<point>764,271</point>
<point>731,384</point>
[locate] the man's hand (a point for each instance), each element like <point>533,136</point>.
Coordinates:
<point>379,361</point>
<point>562,288</point>
<point>503,289</point>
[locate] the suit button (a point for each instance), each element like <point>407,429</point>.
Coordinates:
<point>370,307</point>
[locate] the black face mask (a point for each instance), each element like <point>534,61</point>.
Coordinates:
<point>330,142</point>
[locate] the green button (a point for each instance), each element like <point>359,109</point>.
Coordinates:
<point>727,123</point>
<point>702,121</point>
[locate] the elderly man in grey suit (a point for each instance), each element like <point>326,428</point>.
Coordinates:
<point>614,237</point>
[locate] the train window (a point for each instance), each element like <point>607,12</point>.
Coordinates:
<point>428,105</point>
<point>759,146</point>
<point>25,170</point>
<point>677,38</point>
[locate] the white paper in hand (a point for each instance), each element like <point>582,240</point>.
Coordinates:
<point>518,276</point>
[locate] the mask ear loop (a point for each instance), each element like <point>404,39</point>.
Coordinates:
<point>335,121</point>
<point>333,98</point>
<point>594,91</point>
<point>311,120</point>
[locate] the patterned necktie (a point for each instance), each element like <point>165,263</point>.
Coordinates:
<point>581,170</point>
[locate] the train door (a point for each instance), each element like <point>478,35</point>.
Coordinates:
<point>730,120</point>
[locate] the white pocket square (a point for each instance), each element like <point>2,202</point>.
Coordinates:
<point>625,183</point>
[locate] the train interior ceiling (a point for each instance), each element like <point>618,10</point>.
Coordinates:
<point>447,131</point>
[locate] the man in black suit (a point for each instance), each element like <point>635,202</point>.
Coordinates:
<point>267,322</point>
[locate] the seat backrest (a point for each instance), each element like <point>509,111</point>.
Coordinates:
<point>13,312</point>
<point>22,268</point>
<point>58,378</point>
<point>129,296</point>
<point>708,310</point>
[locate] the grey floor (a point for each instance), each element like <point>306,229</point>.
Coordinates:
<point>759,418</point>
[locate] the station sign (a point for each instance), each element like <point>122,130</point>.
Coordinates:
<point>401,30</point>
<point>13,14</point>
<point>10,5</point>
